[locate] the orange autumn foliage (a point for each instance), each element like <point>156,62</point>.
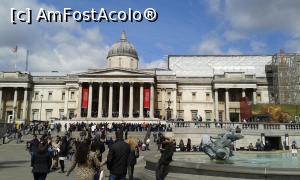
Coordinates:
<point>276,113</point>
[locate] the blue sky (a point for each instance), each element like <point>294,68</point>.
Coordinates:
<point>183,27</point>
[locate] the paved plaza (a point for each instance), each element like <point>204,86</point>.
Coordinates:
<point>15,162</point>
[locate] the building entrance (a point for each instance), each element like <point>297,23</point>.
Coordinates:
<point>274,143</point>
<point>234,117</point>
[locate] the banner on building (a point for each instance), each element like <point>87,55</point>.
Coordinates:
<point>85,97</point>
<point>146,98</point>
<point>245,109</point>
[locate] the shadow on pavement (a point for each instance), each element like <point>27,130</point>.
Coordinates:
<point>2,163</point>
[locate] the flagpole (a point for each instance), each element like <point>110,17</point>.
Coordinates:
<point>26,65</point>
<point>16,60</point>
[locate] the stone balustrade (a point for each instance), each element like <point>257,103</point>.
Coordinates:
<point>228,125</point>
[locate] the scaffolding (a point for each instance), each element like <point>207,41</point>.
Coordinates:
<point>285,69</point>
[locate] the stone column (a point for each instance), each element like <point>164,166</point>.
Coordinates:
<point>163,103</point>
<point>110,105</point>
<point>216,105</point>
<point>174,100</point>
<point>141,100</point>
<point>25,104</point>
<point>152,101</point>
<point>15,104</point>
<point>254,96</point>
<point>1,103</point>
<point>89,112</point>
<point>227,104</point>
<point>243,92</point>
<point>121,101</point>
<point>100,100</point>
<point>131,100</point>
<point>66,103</point>
<point>79,100</point>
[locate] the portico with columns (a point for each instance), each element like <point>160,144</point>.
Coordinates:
<point>116,94</point>
<point>14,97</point>
<point>227,99</point>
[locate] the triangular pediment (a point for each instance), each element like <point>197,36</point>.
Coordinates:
<point>115,72</point>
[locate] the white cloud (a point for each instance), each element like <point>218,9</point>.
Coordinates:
<point>293,45</point>
<point>214,6</point>
<point>233,36</point>
<point>257,15</point>
<point>246,19</point>
<point>164,47</point>
<point>159,63</point>
<point>53,46</point>
<point>232,51</point>
<point>208,46</point>
<point>258,47</point>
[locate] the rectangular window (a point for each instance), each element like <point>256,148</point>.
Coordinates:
<point>207,96</point>
<point>194,96</point>
<point>179,96</point>
<point>48,114</point>
<point>157,113</point>
<point>72,95</point>
<point>180,114</point>
<point>71,113</point>
<point>63,96</point>
<point>220,115</point>
<point>49,96</point>
<point>61,113</point>
<point>258,97</point>
<point>35,114</point>
<point>208,114</point>
<point>36,96</point>
<point>194,114</point>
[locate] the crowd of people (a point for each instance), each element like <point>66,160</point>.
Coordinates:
<point>48,153</point>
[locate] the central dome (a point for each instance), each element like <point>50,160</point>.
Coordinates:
<point>122,48</point>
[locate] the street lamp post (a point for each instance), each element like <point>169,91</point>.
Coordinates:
<point>41,107</point>
<point>14,113</point>
<point>169,110</point>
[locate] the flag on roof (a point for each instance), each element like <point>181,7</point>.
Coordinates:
<point>15,49</point>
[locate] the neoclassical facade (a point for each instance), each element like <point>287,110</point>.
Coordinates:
<point>210,86</point>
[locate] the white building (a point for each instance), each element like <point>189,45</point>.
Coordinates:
<point>210,86</point>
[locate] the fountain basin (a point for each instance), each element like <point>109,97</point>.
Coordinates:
<point>249,165</point>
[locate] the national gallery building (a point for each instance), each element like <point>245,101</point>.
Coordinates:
<point>209,86</point>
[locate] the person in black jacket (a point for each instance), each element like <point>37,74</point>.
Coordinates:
<point>165,159</point>
<point>117,158</point>
<point>63,152</point>
<point>41,162</point>
<point>33,145</point>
